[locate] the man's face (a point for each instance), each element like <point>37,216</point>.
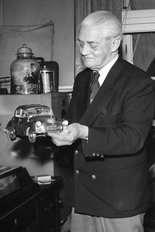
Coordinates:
<point>95,47</point>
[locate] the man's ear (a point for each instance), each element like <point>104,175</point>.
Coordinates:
<point>115,44</point>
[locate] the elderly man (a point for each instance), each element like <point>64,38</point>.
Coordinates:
<point>108,132</point>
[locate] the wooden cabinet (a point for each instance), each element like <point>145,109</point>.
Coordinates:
<point>22,218</point>
<point>38,213</point>
<point>48,209</point>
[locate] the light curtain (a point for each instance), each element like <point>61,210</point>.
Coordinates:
<point>85,7</point>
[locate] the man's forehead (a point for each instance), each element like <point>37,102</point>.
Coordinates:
<point>93,32</point>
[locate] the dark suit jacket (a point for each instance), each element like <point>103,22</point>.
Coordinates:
<point>111,168</point>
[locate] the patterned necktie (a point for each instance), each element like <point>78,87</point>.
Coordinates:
<point>95,85</point>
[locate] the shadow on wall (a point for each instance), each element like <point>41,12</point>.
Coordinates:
<point>43,148</point>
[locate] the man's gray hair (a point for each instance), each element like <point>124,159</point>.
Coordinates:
<point>99,18</point>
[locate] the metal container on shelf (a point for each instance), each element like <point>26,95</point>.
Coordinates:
<point>49,79</point>
<point>45,78</point>
<point>25,72</point>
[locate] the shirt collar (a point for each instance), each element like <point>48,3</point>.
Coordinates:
<point>105,70</point>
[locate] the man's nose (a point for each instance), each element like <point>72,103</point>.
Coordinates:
<point>85,49</point>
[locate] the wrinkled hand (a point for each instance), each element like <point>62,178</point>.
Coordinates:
<point>69,134</point>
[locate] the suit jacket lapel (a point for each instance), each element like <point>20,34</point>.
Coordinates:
<point>103,96</point>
